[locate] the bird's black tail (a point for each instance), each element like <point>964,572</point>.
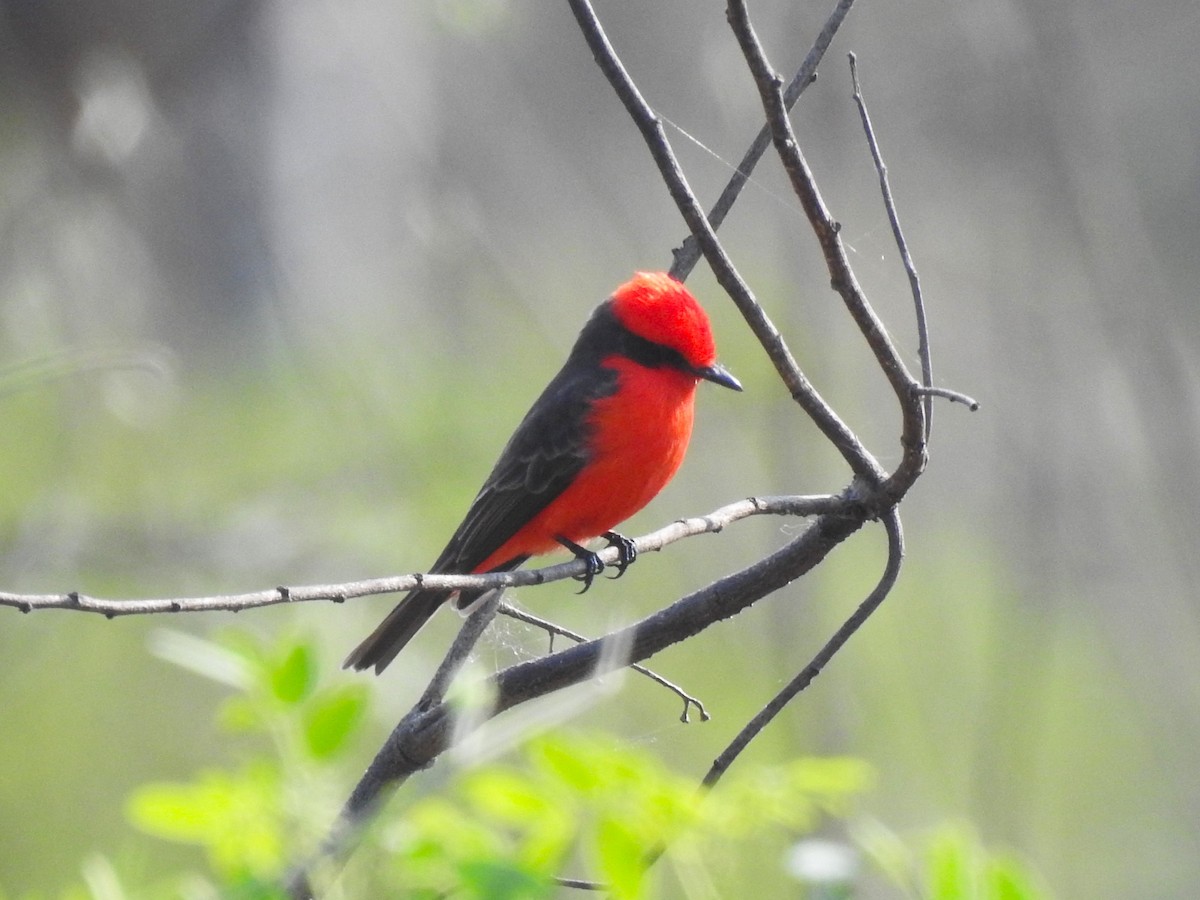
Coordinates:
<point>395,631</point>
<point>409,617</point>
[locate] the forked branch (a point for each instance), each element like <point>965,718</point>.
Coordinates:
<point>431,726</point>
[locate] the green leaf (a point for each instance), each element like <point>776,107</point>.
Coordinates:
<point>1008,879</point>
<point>952,866</point>
<point>621,858</point>
<point>542,816</point>
<point>501,880</point>
<point>253,889</point>
<point>508,796</point>
<point>564,761</point>
<point>792,795</point>
<point>294,677</point>
<point>234,816</point>
<point>332,718</point>
<point>438,827</point>
<point>831,779</point>
<point>177,812</point>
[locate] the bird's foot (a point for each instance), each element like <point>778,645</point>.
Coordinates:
<point>626,550</point>
<point>594,565</point>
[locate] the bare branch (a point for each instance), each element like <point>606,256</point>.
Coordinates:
<point>553,629</point>
<point>688,254</point>
<point>891,521</point>
<point>427,731</point>
<point>827,230</point>
<point>947,394</point>
<point>767,714</point>
<point>914,280</point>
<point>339,593</point>
<point>433,724</point>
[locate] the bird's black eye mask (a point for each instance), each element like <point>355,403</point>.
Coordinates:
<point>605,336</point>
<point>651,355</point>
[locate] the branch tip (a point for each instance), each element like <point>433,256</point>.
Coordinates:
<point>946,394</point>
<point>688,703</point>
<point>891,571</point>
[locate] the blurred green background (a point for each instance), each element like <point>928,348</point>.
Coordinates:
<point>346,244</point>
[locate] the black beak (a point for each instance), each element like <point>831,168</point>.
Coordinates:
<point>718,374</point>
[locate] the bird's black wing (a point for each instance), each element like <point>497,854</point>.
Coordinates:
<point>545,454</point>
<point>543,457</point>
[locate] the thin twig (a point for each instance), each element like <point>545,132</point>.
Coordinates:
<point>754,727</point>
<point>891,521</point>
<point>554,629</point>
<point>338,593</point>
<point>910,267</point>
<point>947,394</point>
<point>581,884</point>
<point>688,254</point>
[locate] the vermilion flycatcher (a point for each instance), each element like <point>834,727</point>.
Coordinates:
<point>605,436</point>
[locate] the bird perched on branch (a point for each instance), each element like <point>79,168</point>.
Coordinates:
<point>606,435</point>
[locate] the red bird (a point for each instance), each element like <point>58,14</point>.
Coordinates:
<point>605,436</point>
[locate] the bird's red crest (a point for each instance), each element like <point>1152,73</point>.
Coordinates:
<point>657,307</point>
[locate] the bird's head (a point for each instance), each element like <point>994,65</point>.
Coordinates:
<point>655,306</point>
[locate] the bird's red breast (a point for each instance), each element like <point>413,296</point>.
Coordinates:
<point>637,438</point>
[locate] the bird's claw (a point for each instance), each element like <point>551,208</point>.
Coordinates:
<point>594,564</point>
<point>626,550</point>
<point>594,568</point>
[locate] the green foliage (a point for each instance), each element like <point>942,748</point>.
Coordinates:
<point>250,819</point>
<point>613,807</point>
<point>233,815</point>
<point>566,803</point>
<point>952,864</point>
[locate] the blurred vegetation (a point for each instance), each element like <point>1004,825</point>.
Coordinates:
<point>291,740</point>
<point>505,829</point>
<point>355,240</point>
